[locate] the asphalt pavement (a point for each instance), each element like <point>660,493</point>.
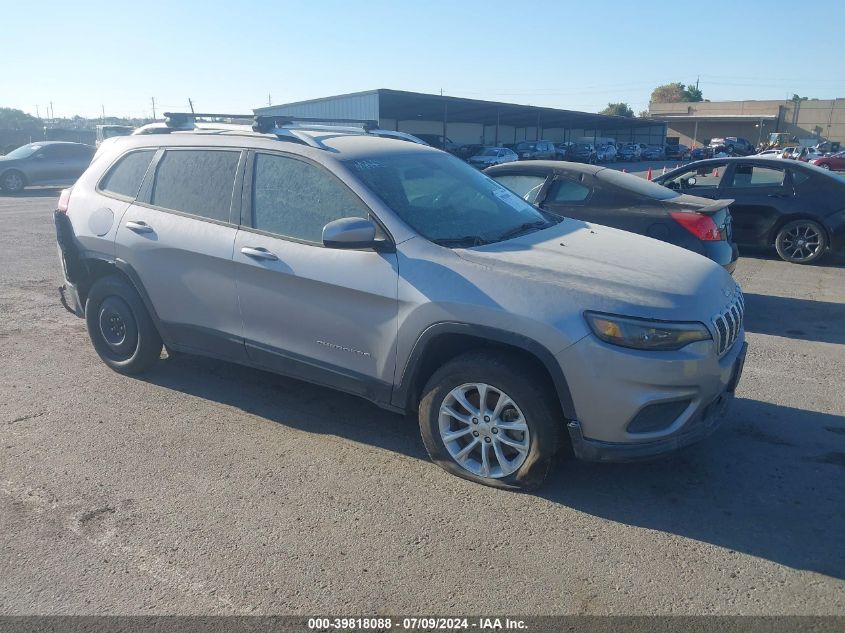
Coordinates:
<point>208,488</point>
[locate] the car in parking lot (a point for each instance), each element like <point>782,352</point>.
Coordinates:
<point>624,201</point>
<point>734,145</point>
<point>492,156</point>
<point>582,153</point>
<point>795,207</point>
<point>836,162</point>
<point>679,151</point>
<point>399,273</point>
<point>631,151</point>
<point>440,142</point>
<point>606,153</point>
<point>536,150</point>
<point>43,163</point>
<point>654,152</point>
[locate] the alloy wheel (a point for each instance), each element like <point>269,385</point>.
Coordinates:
<point>825,166</point>
<point>802,242</point>
<point>484,430</point>
<point>13,182</point>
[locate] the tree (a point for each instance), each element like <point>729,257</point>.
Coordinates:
<point>796,98</point>
<point>676,92</point>
<point>12,119</point>
<point>618,109</point>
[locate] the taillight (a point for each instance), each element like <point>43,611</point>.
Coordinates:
<point>700,225</point>
<point>64,199</point>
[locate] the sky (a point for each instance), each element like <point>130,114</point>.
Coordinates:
<point>87,57</point>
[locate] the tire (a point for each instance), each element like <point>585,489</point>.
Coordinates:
<point>120,328</point>
<point>825,166</point>
<point>517,459</point>
<point>801,242</point>
<point>13,182</point>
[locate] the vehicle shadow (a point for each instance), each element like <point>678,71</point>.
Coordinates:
<point>768,483</point>
<point>834,259</point>
<point>801,319</point>
<point>37,192</point>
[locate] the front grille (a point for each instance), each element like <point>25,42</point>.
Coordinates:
<point>728,323</point>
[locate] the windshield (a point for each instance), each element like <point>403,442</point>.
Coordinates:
<point>445,200</point>
<point>24,151</point>
<point>527,146</point>
<point>488,152</point>
<point>525,186</point>
<point>635,184</point>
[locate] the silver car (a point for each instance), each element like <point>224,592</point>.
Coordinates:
<point>490,156</point>
<point>43,163</point>
<point>399,273</point>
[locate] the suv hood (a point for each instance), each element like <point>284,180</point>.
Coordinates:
<point>612,271</point>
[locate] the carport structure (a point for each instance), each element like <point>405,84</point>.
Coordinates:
<point>474,120</point>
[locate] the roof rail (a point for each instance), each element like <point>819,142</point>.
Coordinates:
<point>267,123</point>
<point>176,119</point>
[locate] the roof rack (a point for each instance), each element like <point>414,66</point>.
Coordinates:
<point>178,119</point>
<point>267,123</point>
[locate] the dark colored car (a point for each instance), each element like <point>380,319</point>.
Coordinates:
<point>679,151</point>
<point>654,152</point>
<point>797,207</point>
<point>465,152</point>
<point>581,153</point>
<point>624,201</point>
<point>630,151</point>
<point>47,163</point>
<point>536,150</point>
<point>735,145</point>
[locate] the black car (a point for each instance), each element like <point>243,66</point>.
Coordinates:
<point>797,207</point>
<point>654,152</point>
<point>624,201</point>
<point>581,153</point>
<point>45,163</point>
<point>679,151</point>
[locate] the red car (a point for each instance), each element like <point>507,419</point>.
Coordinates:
<point>835,162</point>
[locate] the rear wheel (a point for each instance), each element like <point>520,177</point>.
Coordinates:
<point>120,328</point>
<point>801,242</point>
<point>488,418</point>
<point>13,182</point>
<point>825,166</point>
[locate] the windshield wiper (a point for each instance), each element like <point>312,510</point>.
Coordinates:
<point>523,228</point>
<point>466,240</point>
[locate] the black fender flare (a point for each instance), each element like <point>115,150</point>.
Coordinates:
<point>402,392</point>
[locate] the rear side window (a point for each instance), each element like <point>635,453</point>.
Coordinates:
<point>199,182</point>
<point>125,178</point>
<point>296,199</point>
<point>565,190</point>
<point>757,176</point>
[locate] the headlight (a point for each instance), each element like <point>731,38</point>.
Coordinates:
<point>644,333</point>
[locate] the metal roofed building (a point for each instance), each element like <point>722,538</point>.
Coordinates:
<point>467,121</point>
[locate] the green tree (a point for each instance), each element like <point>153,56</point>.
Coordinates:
<point>796,98</point>
<point>11,119</point>
<point>618,109</point>
<point>676,92</point>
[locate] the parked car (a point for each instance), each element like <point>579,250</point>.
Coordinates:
<point>492,156</point>
<point>630,152</point>
<point>396,272</point>
<point>736,146</point>
<point>440,142</point>
<point>43,163</point>
<point>808,154</point>
<point>465,152</point>
<point>624,201</point>
<point>770,153</point>
<point>654,152</point>
<point>606,153</point>
<point>699,153</point>
<point>582,153</point>
<point>836,162</point>
<point>794,206</point>
<point>679,151</point>
<point>536,150</point>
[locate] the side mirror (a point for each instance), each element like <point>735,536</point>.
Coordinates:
<point>351,234</point>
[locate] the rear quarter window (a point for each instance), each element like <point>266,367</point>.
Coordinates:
<point>126,176</point>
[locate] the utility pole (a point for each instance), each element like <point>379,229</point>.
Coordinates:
<point>153,99</point>
<point>52,111</point>
<point>269,102</point>
<point>103,107</point>
<point>191,103</point>
<point>696,83</point>
<point>37,111</point>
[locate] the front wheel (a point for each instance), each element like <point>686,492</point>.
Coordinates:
<point>120,328</point>
<point>13,182</point>
<point>801,242</point>
<point>490,419</point>
<point>825,166</point>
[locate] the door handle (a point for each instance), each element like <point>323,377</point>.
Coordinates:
<point>778,195</point>
<point>258,252</point>
<point>138,226</point>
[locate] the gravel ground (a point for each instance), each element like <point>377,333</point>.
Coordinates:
<point>208,488</point>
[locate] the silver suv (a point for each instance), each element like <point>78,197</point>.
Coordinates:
<point>399,273</point>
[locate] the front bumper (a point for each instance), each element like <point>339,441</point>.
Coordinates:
<point>612,386</point>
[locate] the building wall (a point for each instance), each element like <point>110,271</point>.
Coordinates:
<point>363,106</point>
<point>819,118</point>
